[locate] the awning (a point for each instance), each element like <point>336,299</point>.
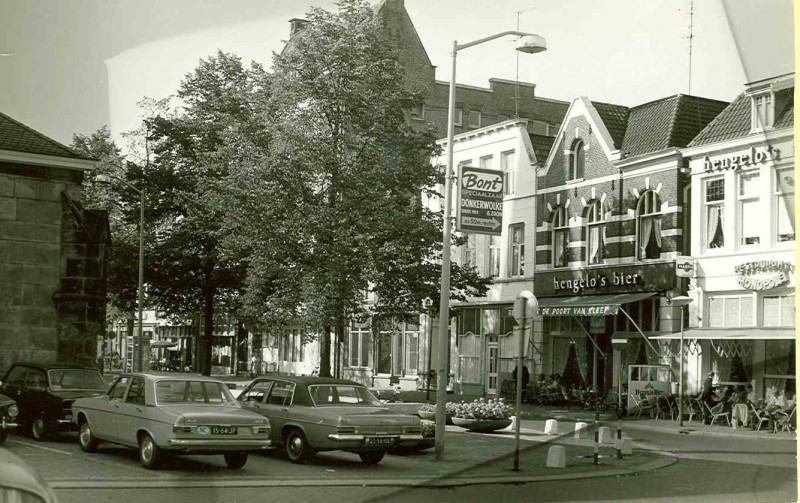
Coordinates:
<point>731,333</point>
<point>588,305</point>
<point>162,344</point>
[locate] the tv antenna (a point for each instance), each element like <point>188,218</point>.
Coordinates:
<point>691,39</point>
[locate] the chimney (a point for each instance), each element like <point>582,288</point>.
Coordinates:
<point>296,25</point>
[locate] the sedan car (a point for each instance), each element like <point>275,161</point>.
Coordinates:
<point>19,483</point>
<point>170,413</point>
<point>44,394</point>
<point>313,414</point>
<point>8,416</point>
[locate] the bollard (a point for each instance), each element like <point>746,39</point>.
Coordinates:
<point>596,456</point>
<point>619,442</point>
<point>580,430</point>
<point>551,427</point>
<point>605,435</point>
<point>627,446</point>
<point>556,457</point>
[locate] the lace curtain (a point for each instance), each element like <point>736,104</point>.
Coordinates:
<point>583,366</point>
<point>645,229</point>
<point>714,234</point>
<point>560,354</point>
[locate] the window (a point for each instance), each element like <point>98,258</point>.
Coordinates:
<point>119,389</point>
<point>779,311</point>
<point>292,349</point>
<point>360,342</point>
<point>136,393</point>
<point>470,250</point>
<point>595,233</point>
<point>517,246</point>
<point>281,394</point>
<point>459,117</point>
<point>560,230</point>
<point>17,375</point>
<point>36,380</point>
<point>784,204</point>
<point>412,350</point>
<point>494,256</point>
<point>474,118</point>
<point>762,112</point>
<point>507,165</point>
<point>748,217</point>
<point>257,393</point>
<point>418,112</point>
<point>576,161</point>
<point>648,220</point>
<point>486,162</point>
<point>539,127</point>
<point>730,311</point>
<point>714,213</point>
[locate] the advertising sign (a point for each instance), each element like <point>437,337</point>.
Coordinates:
<point>480,201</point>
<point>684,267</point>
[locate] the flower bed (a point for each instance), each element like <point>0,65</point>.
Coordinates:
<point>494,408</point>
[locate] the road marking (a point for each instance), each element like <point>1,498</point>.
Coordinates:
<point>41,447</point>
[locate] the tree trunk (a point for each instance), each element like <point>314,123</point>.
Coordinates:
<point>339,339</point>
<point>208,330</point>
<point>325,352</point>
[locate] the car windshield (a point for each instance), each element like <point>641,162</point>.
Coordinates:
<point>341,394</point>
<point>197,392</point>
<point>64,379</point>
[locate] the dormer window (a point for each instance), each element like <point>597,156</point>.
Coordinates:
<point>763,116</point>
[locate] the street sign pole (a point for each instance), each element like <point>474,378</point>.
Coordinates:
<point>525,308</point>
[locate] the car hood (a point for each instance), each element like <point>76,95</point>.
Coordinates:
<point>367,415</point>
<point>213,413</point>
<point>5,400</point>
<point>72,394</point>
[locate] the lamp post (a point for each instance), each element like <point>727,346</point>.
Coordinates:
<point>528,43</point>
<point>139,355</point>
<point>681,302</point>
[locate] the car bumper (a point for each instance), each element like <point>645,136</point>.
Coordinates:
<point>347,441</point>
<point>7,425</point>
<point>202,445</point>
<point>64,424</point>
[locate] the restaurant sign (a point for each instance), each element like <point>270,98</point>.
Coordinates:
<point>763,274</point>
<point>579,310</point>
<point>634,278</point>
<point>754,155</point>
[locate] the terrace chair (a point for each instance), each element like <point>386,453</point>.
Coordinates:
<point>664,407</point>
<point>692,408</point>
<point>716,412</point>
<point>759,417</point>
<point>641,405</point>
<point>783,420</point>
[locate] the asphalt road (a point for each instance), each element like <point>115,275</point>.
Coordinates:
<point>709,469</point>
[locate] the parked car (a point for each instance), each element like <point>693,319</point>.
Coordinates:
<point>44,394</point>
<point>171,413</point>
<point>18,481</point>
<point>8,416</point>
<point>313,414</point>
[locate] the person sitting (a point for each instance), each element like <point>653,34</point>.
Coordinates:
<point>707,395</point>
<point>751,394</point>
<point>775,401</point>
<point>526,376</point>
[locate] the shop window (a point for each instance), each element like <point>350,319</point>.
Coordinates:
<point>779,357</point>
<point>730,311</point>
<point>470,249</point>
<point>595,232</point>
<point>749,217</point>
<point>470,348</point>
<point>648,222</point>
<point>576,161</point>
<point>714,213</point>
<point>494,256</point>
<point>784,204</point>
<point>507,165</point>
<point>517,248</point>
<point>779,310</point>
<point>360,342</point>
<point>560,236</point>
<point>469,321</point>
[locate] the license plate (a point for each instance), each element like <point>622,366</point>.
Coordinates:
<point>381,441</point>
<point>224,430</point>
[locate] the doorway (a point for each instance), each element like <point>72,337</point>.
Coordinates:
<point>491,368</point>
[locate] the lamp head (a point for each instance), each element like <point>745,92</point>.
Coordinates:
<point>681,300</point>
<point>102,178</point>
<point>531,44</point>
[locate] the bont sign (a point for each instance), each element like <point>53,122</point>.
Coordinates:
<point>480,201</point>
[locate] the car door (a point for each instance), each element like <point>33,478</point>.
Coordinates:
<point>277,407</point>
<point>99,412</point>
<point>107,424</point>
<point>131,412</point>
<point>34,393</point>
<point>13,386</point>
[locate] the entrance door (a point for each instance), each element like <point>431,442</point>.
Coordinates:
<point>491,368</point>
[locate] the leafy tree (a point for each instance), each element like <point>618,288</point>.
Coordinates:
<point>331,205</point>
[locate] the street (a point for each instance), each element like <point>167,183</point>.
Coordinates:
<point>708,468</point>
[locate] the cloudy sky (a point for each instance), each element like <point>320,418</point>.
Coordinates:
<point>75,65</point>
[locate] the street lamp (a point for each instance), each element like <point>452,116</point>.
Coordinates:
<point>106,178</point>
<point>529,43</point>
<point>681,302</point>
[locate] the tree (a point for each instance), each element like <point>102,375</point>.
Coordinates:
<point>330,206</point>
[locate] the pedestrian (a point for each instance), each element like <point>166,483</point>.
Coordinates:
<point>707,395</point>
<point>526,376</point>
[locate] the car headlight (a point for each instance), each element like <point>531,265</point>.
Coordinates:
<point>13,410</point>
<point>203,430</point>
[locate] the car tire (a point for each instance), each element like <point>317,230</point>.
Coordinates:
<point>39,430</point>
<point>297,448</point>
<point>371,457</point>
<point>236,460</point>
<point>3,435</point>
<point>86,439</point>
<point>149,453</point>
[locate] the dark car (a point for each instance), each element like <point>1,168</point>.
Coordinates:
<point>8,416</point>
<point>44,394</point>
<point>314,414</point>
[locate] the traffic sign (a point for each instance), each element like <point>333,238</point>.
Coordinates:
<point>480,201</point>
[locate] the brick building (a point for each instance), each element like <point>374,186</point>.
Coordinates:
<point>52,252</point>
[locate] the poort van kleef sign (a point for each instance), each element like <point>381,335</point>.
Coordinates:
<point>480,201</point>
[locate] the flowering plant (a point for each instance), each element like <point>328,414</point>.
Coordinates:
<point>428,428</point>
<point>428,407</point>
<point>494,408</point>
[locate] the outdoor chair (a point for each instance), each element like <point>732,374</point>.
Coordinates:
<point>641,405</point>
<point>664,407</point>
<point>692,408</point>
<point>716,412</point>
<point>783,420</point>
<point>759,417</point>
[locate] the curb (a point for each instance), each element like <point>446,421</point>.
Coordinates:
<point>688,430</point>
<point>657,464</point>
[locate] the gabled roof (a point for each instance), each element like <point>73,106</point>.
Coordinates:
<point>668,122</point>
<point>615,118</point>
<point>18,137</point>
<point>541,146</point>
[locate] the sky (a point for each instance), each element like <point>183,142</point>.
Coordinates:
<point>72,66</point>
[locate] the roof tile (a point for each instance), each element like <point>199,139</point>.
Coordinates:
<point>18,137</point>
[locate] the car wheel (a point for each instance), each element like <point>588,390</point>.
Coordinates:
<point>235,460</point>
<point>39,429</point>
<point>371,457</point>
<point>297,448</point>
<point>3,435</point>
<point>86,439</point>
<point>149,453</point>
